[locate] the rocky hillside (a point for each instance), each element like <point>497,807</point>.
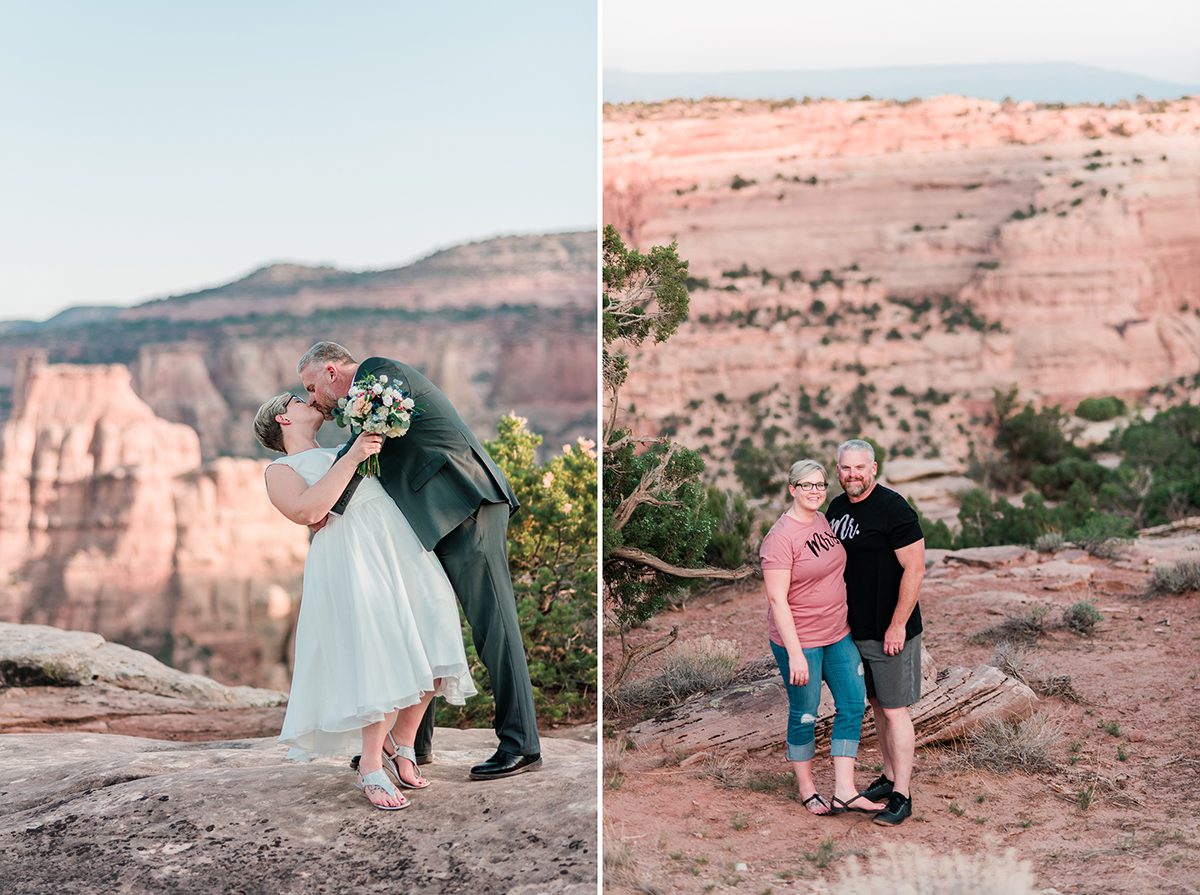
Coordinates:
<point>880,267</point>
<point>505,324</point>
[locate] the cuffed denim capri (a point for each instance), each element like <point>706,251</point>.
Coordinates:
<point>840,666</point>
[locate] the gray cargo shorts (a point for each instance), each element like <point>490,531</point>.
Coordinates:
<point>895,681</point>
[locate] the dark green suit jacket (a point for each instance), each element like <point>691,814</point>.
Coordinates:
<point>438,473</point>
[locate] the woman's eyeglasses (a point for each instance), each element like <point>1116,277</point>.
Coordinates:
<point>810,486</point>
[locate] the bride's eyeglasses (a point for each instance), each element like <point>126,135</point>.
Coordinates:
<point>810,486</point>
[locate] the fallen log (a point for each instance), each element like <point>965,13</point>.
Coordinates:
<point>751,714</point>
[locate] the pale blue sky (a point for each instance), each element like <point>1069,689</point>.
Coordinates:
<point>149,148</point>
<point>1157,38</point>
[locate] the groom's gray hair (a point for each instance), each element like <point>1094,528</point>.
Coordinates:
<point>856,444</point>
<point>325,353</point>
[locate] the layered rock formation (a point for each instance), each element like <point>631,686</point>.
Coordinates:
<point>111,522</point>
<point>502,325</point>
<point>881,267</point>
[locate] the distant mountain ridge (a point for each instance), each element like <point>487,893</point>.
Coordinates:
<point>1046,82</point>
<point>505,324</point>
<point>524,270</point>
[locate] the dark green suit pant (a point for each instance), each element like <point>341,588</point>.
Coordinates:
<point>475,558</point>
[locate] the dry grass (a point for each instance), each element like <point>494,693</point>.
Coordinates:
<point>693,667</point>
<point>1181,578</point>
<point>898,870</point>
<point>1025,629</point>
<point>1025,745</point>
<point>1055,685</point>
<point>1014,660</point>
<point>614,762</point>
<point>1049,542</point>
<point>1011,658</point>
<point>621,868</point>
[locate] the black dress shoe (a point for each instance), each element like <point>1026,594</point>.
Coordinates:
<point>422,758</point>
<point>505,764</point>
<point>879,790</point>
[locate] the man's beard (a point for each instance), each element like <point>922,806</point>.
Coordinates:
<point>857,488</point>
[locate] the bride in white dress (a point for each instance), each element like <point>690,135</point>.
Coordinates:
<point>379,634</point>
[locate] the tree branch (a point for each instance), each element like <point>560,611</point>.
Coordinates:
<point>643,493</point>
<point>641,557</point>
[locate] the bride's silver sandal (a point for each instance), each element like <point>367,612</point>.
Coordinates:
<point>377,780</point>
<point>407,753</point>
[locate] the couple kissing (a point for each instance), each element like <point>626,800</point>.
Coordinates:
<point>378,635</point>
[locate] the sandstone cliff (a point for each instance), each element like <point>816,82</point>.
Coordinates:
<point>111,522</point>
<point>880,267</point>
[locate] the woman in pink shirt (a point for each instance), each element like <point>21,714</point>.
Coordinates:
<point>802,565</point>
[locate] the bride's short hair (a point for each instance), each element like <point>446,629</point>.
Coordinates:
<point>266,428</point>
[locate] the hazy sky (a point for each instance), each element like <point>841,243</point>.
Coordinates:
<point>149,148</point>
<point>1158,38</point>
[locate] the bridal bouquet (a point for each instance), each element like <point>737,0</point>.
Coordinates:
<point>378,407</point>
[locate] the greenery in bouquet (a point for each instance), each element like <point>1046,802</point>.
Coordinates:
<point>378,407</point>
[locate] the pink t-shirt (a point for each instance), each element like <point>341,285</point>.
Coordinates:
<point>817,594</point>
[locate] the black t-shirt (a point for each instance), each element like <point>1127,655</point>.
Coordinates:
<point>872,530</point>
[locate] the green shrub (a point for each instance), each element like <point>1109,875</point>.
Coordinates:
<point>1166,449</point>
<point>1101,533</point>
<point>1029,437</point>
<point>1082,617</point>
<point>675,528</point>
<point>763,469</point>
<point>552,558</point>
<point>1098,410</point>
<point>1056,479</point>
<point>729,546</point>
<point>937,534</point>
<point>1181,578</point>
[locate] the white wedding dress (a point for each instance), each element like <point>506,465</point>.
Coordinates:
<point>378,622</point>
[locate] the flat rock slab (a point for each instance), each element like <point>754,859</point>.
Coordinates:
<point>53,679</point>
<point>101,813</point>
<point>911,469</point>
<point>39,655</point>
<point>999,602</point>
<point>987,557</point>
<point>1056,574</point>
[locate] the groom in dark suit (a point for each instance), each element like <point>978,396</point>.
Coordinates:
<point>458,502</point>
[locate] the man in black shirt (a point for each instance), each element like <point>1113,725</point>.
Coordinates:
<point>885,564</point>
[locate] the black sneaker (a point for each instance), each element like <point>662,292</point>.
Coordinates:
<point>898,808</point>
<point>880,789</point>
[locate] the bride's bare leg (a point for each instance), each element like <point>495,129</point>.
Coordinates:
<point>404,731</point>
<point>373,736</point>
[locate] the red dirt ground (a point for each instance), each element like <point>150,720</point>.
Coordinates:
<point>672,828</point>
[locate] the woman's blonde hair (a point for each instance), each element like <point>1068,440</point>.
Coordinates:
<point>802,468</point>
<point>266,428</point>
